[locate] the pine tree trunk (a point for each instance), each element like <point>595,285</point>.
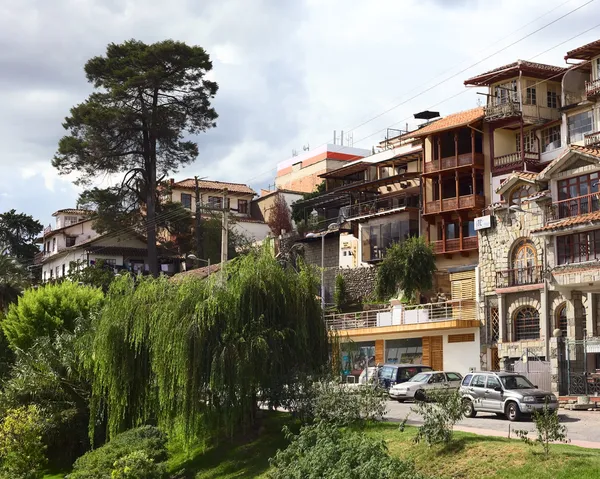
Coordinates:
<point>151,224</point>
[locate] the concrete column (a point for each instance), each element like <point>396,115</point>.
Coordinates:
<point>590,315</point>
<point>502,332</point>
<point>578,313</point>
<point>570,315</point>
<point>545,326</point>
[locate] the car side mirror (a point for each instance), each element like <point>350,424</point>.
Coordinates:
<point>535,386</point>
<point>498,389</point>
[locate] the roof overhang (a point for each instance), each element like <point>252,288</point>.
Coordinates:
<point>512,181</point>
<point>585,52</point>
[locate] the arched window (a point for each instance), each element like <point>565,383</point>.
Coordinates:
<point>527,324</point>
<point>561,319</point>
<point>524,264</point>
<point>519,193</point>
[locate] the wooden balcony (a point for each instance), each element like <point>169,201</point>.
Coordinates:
<point>448,205</point>
<point>592,88</point>
<point>516,161</point>
<point>456,245</point>
<point>453,162</point>
<point>573,207</point>
<point>498,111</point>
<point>592,139</point>
<point>519,277</point>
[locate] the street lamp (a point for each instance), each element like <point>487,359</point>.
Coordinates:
<point>518,209</point>
<point>193,257</point>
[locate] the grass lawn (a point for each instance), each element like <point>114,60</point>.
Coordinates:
<point>469,456</point>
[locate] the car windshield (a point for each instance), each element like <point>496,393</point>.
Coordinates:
<point>516,382</point>
<point>387,372</point>
<point>420,378</point>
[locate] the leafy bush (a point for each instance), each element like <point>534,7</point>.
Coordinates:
<point>323,450</point>
<point>21,448</point>
<point>137,465</point>
<point>548,429</point>
<point>100,463</point>
<point>441,411</point>
<point>43,311</point>
<point>340,294</point>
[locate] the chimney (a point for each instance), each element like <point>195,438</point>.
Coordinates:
<point>172,181</point>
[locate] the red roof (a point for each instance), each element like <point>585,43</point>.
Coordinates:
<point>536,70</point>
<point>586,52</point>
<point>449,122</point>
<point>199,273</point>
<point>190,184</point>
<point>568,222</point>
<point>73,211</point>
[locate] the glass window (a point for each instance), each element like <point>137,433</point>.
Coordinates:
<point>553,96</point>
<point>467,379</point>
<point>529,141</point>
<point>579,125</point>
<point>530,93</point>
<point>578,248</point>
<point>516,382</point>
<point>215,202</point>
<point>492,382</point>
<point>243,207</point>
<point>469,228</point>
<point>527,324</point>
<point>69,241</point>
<point>551,138</point>
<point>421,378</point>
<point>478,381</point>
<point>453,376</point>
<point>562,322</point>
<point>186,200</point>
<point>519,193</point>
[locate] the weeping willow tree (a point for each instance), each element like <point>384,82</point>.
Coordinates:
<point>200,354</point>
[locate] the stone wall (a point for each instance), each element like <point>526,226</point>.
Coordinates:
<point>312,256</point>
<point>360,283</point>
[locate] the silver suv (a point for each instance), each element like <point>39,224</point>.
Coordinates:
<point>506,394</point>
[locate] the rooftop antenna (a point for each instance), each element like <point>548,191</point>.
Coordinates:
<point>342,138</point>
<point>306,147</point>
<point>334,137</point>
<point>350,138</point>
<point>294,153</point>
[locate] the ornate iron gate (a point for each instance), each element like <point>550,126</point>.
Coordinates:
<point>577,366</point>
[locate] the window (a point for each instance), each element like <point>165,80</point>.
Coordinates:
<point>553,96</point>
<point>243,207</point>
<point>467,379</point>
<point>51,273</point>
<point>530,93</point>
<point>527,324</point>
<point>186,200</point>
<point>524,256</point>
<point>453,377</point>
<point>377,239</point>
<point>529,141</point>
<point>579,125</point>
<point>63,269</point>
<point>215,202</point>
<point>516,382</point>
<point>493,382</point>
<point>579,247</point>
<point>57,271</point>
<point>69,220</point>
<point>478,381</point>
<point>110,262</point>
<point>561,320</point>
<point>518,194</point>
<point>53,244</point>
<point>506,92</point>
<point>70,241</point>
<point>551,138</point>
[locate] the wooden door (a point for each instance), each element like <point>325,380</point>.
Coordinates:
<point>433,352</point>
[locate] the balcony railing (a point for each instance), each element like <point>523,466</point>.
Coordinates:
<point>519,277</point>
<point>592,139</point>
<point>455,203</point>
<point>379,205</point>
<point>592,87</point>
<point>450,162</point>
<point>463,310</point>
<point>515,160</point>
<point>497,111</point>
<point>454,245</point>
<point>573,207</point>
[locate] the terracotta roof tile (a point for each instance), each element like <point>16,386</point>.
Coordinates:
<point>455,120</point>
<point>190,183</point>
<point>586,150</point>
<point>585,52</point>
<point>200,273</point>
<point>73,211</point>
<point>510,70</point>
<point>572,221</point>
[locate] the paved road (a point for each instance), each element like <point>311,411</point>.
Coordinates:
<point>581,425</point>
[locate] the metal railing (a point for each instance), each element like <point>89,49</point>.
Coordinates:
<point>454,246</point>
<point>592,139</point>
<point>496,110</point>
<point>519,277</point>
<point>465,159</point>
<point>573,207</point>
<point>463,310</point>
<point>375,206</point>
<point>592,87</point>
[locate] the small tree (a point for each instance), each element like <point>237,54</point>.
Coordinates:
<point>21,448</point>
<point>408,266</point>
<point>279,217</point>
<point>548,428</point>
<point>340,294</point>
<point>98,275</point>
<point>440,412</point>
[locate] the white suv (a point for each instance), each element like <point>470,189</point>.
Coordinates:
<point>417,387</point>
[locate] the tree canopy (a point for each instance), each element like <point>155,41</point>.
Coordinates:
<point>279,217</point>
<point>18,232</point>
<point>147,98</point>
<point>198,353</point>
<point>408,266</point>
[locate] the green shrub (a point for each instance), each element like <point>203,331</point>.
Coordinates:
<point>548,429</point>
<point>340,294</point>
<point>100,463</point>
<point>43,311</point>
<point>21,448</point>
<point>137,465</point>
<point>323,450</point>
<point>441,411</point>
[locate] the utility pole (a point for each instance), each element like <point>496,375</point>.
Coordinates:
<point>224,233</point>
<point>198,222</point>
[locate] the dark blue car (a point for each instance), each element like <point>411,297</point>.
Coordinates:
<point>390,374</point>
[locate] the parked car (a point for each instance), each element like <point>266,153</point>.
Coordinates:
<point>370,373</point>
<point>506,394</point>
<point>391,374</point>
<point>417,387</point>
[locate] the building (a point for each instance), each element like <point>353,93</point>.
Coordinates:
<point>73,242</point>
<point>212,196</point>
<point>261,207</point>
<point>301,173</point>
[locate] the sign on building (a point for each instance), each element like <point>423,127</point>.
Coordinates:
<point>483,222</point>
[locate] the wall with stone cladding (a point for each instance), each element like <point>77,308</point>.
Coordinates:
<point>312,256</point>
<point>360,283</point>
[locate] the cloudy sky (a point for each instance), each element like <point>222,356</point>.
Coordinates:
<point>289,72</point>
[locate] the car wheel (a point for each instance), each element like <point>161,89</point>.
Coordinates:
<point>420,395</point>
<point>513,413</point>
<point>469,408</point>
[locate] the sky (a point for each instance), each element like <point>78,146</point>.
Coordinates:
<point>289,72</point>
